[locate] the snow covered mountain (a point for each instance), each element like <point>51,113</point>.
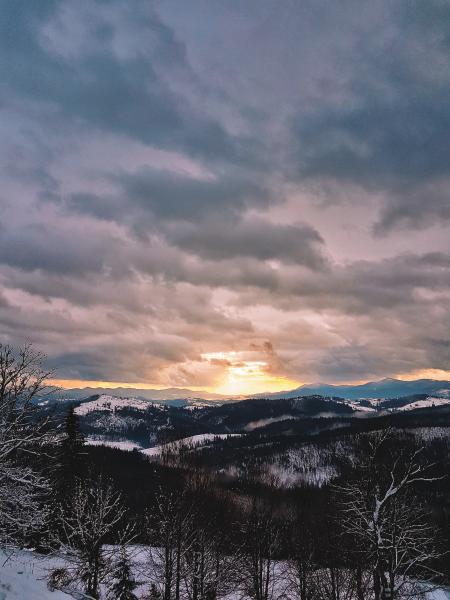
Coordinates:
<point>385,388</point>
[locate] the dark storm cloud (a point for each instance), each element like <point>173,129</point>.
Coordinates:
<point>417,208</point>
<point>393,133</point>
<point>148,196</point>
<point>204,217</point>
<point>40,247</point>
<point>298,244</point>
<point>96,86</point>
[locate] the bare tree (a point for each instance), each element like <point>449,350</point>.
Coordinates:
<point>337,583</point>
<point>301,566</point>
<point>87,522</point>
<point>169,530</point>
<point>381,514</point>
<point>261,543</point>
<point>208,571</point>
<point>22,434</point>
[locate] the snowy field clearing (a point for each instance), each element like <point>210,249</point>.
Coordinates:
<point>112,403</point>
<point>358,407</point>
<point>118,444</point>
<point>191,442</point>
<point>23,577</point>
<point>427,403</point>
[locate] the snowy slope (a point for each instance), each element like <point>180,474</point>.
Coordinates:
<point>427,403</point>
<point>23,577</point>
<point>194,441</point>
<point>111,403</point>
<point>359,407</point>
<point>118,444</point>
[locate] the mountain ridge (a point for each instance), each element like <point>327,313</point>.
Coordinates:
<point>383,388</point>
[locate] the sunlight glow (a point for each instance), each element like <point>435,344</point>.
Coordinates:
<point>245,377</point>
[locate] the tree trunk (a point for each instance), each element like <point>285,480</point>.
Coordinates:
<point>376,585</point>
<point>359,585</point>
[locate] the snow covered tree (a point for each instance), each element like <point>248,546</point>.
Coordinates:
<point>22,436</point>
<point>87,521</point>
<point>124,584</point>
<point>385,520</point>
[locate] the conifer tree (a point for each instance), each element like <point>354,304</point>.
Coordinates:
<point>71,455</point>
<point>124,582</point>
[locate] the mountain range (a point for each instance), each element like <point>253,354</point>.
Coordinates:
<point>385,388</point>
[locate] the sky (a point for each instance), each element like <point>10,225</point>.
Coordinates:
<point>235,196</point>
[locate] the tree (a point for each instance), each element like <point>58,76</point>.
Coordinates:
<point>261,534</point>
<point>384,518</point>
<point>124,583</point>
<point>168,531</point>
<point>208,569</point>
<point>71,454</point>
<point>301,566</point>
<point>22,435</point>
<point>87,522</point>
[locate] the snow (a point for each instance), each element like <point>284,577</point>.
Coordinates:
<point>193,441</point>
<point>429,434</point>
<point>23,577</point>
<point>438,594</point>
<point>356,406</point>
<point>111,403</point>
<point>427,403</point>
<point>119,444</point>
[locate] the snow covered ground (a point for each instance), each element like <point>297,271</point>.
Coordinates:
<point>193,441</point>
<point>112,403</point>
<point>427,403</point>
<point>119,444</point>
<point>357,406</point>
<point>23,577</point>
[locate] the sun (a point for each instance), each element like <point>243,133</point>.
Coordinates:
<point>244,376</point>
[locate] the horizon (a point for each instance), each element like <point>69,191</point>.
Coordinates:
<point>233,218</point>
<point>108,385</point>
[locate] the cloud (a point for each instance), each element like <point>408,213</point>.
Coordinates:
<point>146,197</point>
<point>392,135</point>
<point>99,68</point>
<point>167,195</point>
<point>417,207</point>
<point>291,244</point>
